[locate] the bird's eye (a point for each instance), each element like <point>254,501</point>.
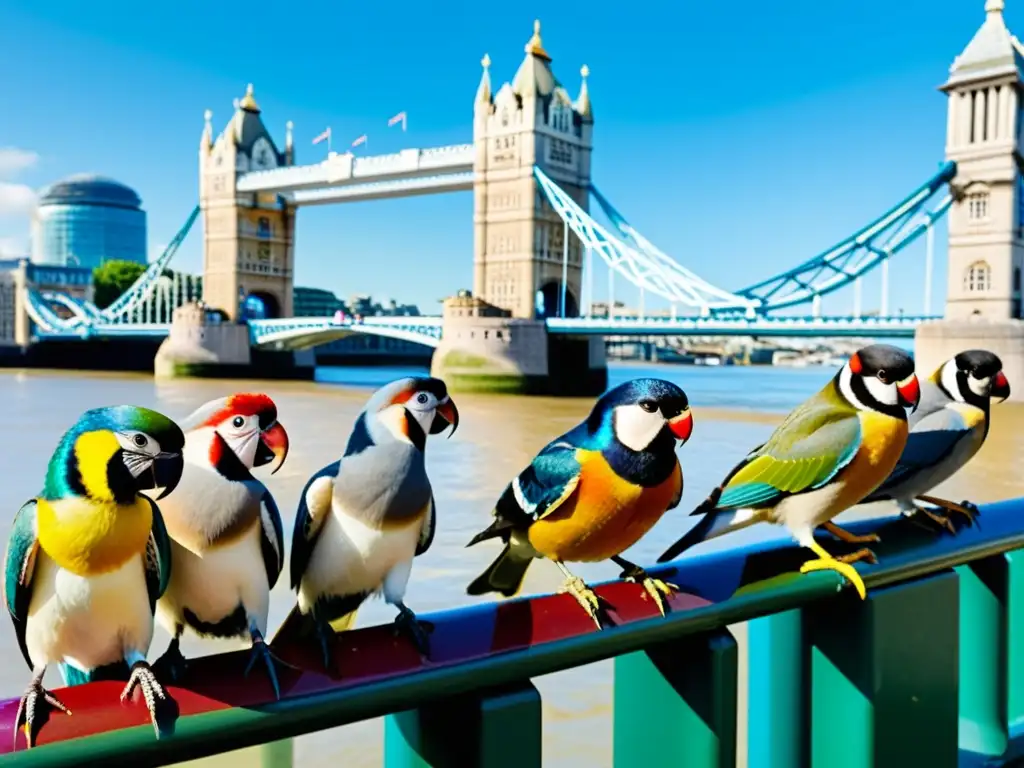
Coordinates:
<point>140,440</point>
<point>882,376</point>
<point>648,405</point>
<point>422,398</point>
<point>238,422</point>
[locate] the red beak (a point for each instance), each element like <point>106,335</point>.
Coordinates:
<point>910,392</point>
<point>275,439</point>
<point>1000,387</point>
<point>682,425</point>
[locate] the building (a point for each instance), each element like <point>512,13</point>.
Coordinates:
<point>315,302</point>
<point>86,220</point>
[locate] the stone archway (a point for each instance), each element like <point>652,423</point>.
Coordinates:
<point>260,305</point>
<point>546,301</point>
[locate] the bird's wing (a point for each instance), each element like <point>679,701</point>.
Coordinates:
<point>679,494</point>
<point>19,567</point>
<point>932,440</point>
<point>314,506</point>
<point>271,538</point>
<point>158,557</point>
<point>804,453</point>
<point>428,529</point>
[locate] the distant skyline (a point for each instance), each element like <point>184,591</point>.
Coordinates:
<point>740,140</point>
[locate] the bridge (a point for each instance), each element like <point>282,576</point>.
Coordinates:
<point>530,162</point>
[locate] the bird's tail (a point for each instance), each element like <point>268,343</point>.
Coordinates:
<point>505,575</point>
<point>694,536</point>
<point>714,523</point>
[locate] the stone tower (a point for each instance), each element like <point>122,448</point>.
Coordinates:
<point>248,239</point>
<point>518,238</point>
<point>983,134</point>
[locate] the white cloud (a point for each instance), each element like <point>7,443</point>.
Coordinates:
<point>16,199</point>
<point>14,160</point>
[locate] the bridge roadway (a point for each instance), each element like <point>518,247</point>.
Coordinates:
<point>304,332</point>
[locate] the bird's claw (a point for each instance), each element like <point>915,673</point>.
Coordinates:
<point>416,630</point>
<point>845,570</point>
<point>172,665</point>
<point>861,555</point>
<point>656,588</point>
<point>325,635</point>
<point>32,708</point>
<point>586,597</point>
<point>939,519</point>
<point>261,652</point>
<point>153,693</point>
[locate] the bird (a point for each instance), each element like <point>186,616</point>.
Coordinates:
<point>829,453</point>
<point>593,492</point>
<point>362,519</point>
<point>89,556</point>
<point>946,431</point>
<point>227,539</point>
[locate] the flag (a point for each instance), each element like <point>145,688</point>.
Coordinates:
<point>360,140</point>
<point>323,136</point>
<point>401,117</point>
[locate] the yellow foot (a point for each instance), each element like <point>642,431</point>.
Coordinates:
<point>585,596</point>
<point>656,588</point>
<point>865,555</point>
<point>845,570</point>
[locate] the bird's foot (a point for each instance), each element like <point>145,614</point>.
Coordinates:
<point>261,652</point>
<point>939,519</point>
<point>33,711</point>
<point>851,538</point>
<point>172,665</point>
<point>656,588</point>
<point>845,570</point>
<point>157,701</point>
<point>407,623</point>
<point>861,555</point>
<point>966,508</point>
<point>586,597</point>
<point>325,636</point>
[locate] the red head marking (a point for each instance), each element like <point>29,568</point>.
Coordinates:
<point>244,404</point>
<point>856,366</point>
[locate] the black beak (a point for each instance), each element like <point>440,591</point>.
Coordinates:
<point>165,473</point>
<point>446,415</point>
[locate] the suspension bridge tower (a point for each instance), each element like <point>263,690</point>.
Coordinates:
<point>248,239</point>
<point>521,247</point>
<point>986,221</point>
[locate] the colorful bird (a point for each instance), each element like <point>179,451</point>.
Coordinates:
<point>946,431</point>
<point>828,454</point>
<point>227,538</point>
<point>362,519</point>
<point>592,493</point>
<point>89,557</point>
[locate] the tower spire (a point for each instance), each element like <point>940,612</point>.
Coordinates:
<point>535,46</point>
<point>994,6</point>
<point>583,100</point>
<point>248,102</point>
<point>483,92</point>
<point>207,140</point>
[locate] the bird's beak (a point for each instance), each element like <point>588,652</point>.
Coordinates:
<point>909,392</point>
<point>1000,387</point>
<point>272,448</point>
<point>166,473</point>
<point>682,425</point>
<point>445,415</point>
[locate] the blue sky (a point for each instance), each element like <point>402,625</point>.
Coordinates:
<point>739,139</point>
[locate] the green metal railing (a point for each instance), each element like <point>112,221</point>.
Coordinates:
<point>928,671</point>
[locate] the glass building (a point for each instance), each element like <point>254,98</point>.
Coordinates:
<point>86,220</point>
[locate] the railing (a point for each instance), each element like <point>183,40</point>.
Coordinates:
<point>928,671</point>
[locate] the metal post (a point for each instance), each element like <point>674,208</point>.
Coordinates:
<point>884,310</point>
<point>611,292</point>
<point>590,283</point>
<point>641,303</point>
<point>856,298</point>
<point>929,256</point>
<point>565,268</point>
<point>816,305</point>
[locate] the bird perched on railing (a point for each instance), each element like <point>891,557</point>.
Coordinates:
<point>88,558</point>
<point>362,519</point>
<point>227,537</point>
<point>827,455</point>
<point>946,431</point>
<point>592,493</point>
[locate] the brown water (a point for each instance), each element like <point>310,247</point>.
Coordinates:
<point>497,437</point>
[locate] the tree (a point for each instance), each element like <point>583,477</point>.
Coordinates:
<point>113,278</point>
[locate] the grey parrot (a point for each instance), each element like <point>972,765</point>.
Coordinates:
<point>362,519</point>
<point>948,429</point>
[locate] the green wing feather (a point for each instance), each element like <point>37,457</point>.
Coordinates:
<point>809,448</point>
<point>158,557</point>
<point>19,567</point>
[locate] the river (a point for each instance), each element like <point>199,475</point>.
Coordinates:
<point>734,408</point>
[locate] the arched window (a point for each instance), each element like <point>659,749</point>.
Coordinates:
<point>978,277</point>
